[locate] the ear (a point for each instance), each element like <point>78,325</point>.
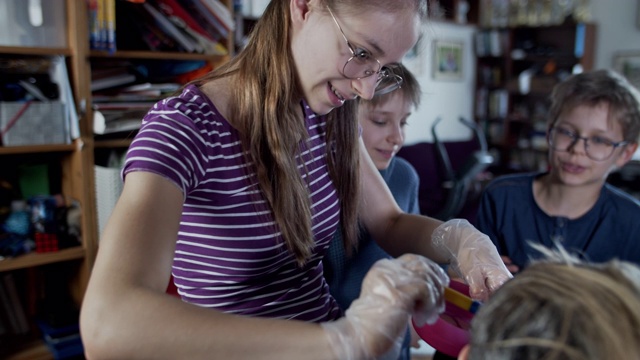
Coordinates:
<point>626,155</point>
<point>299,10</point>
<point>464,353</point>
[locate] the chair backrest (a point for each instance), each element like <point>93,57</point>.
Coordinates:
<point>432,194</point>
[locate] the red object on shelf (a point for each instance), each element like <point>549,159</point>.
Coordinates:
<point>46,242</point>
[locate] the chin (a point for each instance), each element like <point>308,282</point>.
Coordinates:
<point>383,165</point>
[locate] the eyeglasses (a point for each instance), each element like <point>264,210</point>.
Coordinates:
<point>596,147</point>
<point>362,64</point>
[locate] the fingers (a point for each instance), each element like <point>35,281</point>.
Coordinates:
<point>484,280</point>
<point>513,268</point>
<point>392,291</point>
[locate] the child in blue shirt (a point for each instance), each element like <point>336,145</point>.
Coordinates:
<point>382,120</point>
<point>593,129</point>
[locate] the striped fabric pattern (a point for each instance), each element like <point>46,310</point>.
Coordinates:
<point>229,254</point>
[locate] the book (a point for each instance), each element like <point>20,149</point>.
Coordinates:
<point>112,81</point>
<point>132,18</point>
<point>207,20</point>
<point>173,8</point>
<point>167,26</point>
<point>94,25</point>
<point>221,12</point>
<point>110,25</point>
<point>17,314</point>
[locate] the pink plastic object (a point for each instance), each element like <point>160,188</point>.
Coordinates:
<point>450,333</point>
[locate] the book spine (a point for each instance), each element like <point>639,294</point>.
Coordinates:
<point>110,25</point>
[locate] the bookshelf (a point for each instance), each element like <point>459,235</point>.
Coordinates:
<point>517,68</point>
<point>72,166</point>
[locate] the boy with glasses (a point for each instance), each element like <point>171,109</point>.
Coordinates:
<point>593,128</point>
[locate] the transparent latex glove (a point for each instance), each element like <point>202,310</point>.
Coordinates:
<point>392,291</point>
<point>472,256</point>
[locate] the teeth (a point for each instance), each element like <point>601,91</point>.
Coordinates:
<point>338,95</point>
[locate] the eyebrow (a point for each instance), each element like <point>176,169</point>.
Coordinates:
<point>374,44</point>
<point>370,43</point>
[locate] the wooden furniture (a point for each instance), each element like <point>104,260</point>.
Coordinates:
<point>74,172</point>
<point>517,68</point>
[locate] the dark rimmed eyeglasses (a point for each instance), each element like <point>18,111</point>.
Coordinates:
<point>362,64</point>
<point>596,147</point>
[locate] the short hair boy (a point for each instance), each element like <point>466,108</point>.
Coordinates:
<point>593,129</point>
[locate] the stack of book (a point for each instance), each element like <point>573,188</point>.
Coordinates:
<point>192,26</point>
<point>123,111</point>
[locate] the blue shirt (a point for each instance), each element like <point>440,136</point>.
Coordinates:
<point>345,274</point>
<point>510,216</point>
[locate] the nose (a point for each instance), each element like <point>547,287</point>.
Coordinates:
<point>574,145</point>
<point>396,135</point>
<point>365,87</point>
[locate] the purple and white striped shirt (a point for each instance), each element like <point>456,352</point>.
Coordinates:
<point>229,254</point>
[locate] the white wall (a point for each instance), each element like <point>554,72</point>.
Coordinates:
<point>617,29</point>
<point>448,99</point>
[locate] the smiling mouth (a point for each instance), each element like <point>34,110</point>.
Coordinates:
<point>337,94</point>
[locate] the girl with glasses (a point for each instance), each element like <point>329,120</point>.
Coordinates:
<point>235,187</point>
<point>594,124</point>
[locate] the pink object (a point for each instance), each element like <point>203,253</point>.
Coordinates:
<point>450,333</point>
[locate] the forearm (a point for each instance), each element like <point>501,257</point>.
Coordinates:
<point>144,324</point>
<point>410,233</point>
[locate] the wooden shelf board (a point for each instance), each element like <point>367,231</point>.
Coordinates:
<point>12,150</point>
<point>115,143</point>
<point>154,55</point>
<point>24,50</point>
<point>31,350</point>
<point>37,259</point>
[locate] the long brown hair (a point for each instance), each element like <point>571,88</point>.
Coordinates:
<point>265,108</point>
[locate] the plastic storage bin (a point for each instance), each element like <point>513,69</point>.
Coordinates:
<point>35,123</point>
<point>33,23</point>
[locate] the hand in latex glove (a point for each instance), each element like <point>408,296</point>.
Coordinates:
<point>472,255</point>
<point>392,291</point>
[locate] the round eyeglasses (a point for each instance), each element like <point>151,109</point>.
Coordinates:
<point>596,147</point>
<point>362,64</point>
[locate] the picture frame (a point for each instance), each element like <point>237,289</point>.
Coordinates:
<point>628,65</point>
<point>448,60</point>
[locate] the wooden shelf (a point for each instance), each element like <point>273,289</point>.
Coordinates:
<point>30,350</point>
<point>38,259</point>
<point>18,50</point>
<point>35,149</point>
<point>115,143</point>
<point>150,55</point>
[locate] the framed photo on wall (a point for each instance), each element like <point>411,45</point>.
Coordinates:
<point>447,60</point>
<point>628,64</point>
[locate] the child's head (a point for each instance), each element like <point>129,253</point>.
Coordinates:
<point>562,308</point>
<point>384,117</point>
<point>594,122</point>
<point>600,87</point>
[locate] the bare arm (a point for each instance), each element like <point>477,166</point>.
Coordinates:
<point>126,313</point>
<point>395,231</point>
<point>471,254</point>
